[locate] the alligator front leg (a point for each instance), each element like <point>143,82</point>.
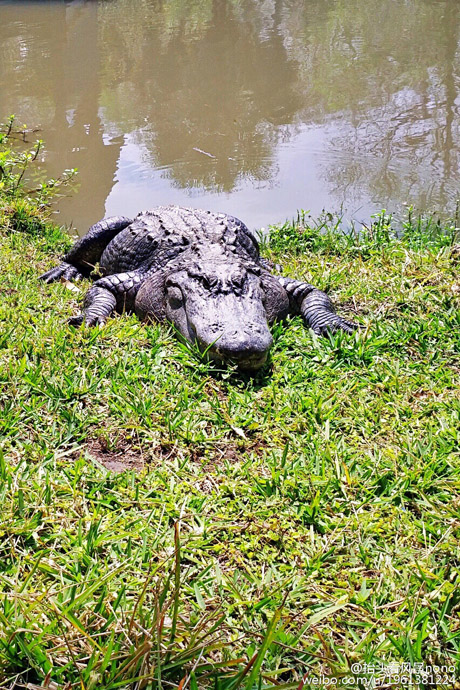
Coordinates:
<point>86,252</point>
<point>99,304</point>
<point>315,307</point>
<point>112,293</point>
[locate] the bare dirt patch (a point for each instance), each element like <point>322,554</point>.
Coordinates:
<point>119,459</point>
<point>120,455</point>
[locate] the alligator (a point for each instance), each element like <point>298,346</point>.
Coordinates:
<point>199,270</point>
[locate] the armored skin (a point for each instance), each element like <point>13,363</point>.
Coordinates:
<point>199,270</point>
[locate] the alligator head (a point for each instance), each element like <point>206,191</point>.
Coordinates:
<point>223,306</point>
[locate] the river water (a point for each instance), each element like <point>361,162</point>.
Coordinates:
<point>254,107</point>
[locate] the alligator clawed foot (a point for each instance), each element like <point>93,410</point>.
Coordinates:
<point>89,320</point>
<point>335,325</point>
<point>96,321</point>
<point>52,275</point>
<point>76,320</point>
<point>64,271</point>
<point>348,326</point>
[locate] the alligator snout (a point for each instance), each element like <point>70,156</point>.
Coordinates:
<point>249,350</point>
<point>242,340</point>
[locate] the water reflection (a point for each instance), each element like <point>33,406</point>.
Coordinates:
<point>258,108</point>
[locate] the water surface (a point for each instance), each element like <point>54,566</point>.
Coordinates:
<point>254,107</point>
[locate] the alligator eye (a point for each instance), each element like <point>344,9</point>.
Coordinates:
<point>205,282</point>
<point>175,298</point>
<point>238,281</point>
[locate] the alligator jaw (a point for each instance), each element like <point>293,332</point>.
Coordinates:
<point>252,363</point>
<point>247,357</point>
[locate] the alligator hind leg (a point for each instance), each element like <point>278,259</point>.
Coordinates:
<point>86,252</point>
<point>65,271</point>
<point>315,307</point>
<point>114,292</point>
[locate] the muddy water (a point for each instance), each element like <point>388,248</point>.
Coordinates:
<point>255,107</point>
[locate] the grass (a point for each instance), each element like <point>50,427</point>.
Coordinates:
<point>299,524</point>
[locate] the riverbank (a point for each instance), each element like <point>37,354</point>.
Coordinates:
<point>165,520</point>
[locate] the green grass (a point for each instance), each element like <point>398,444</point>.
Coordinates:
<point>302,521</point>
